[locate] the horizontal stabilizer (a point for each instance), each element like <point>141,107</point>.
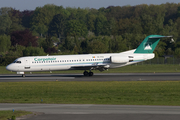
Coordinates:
<point>162,37</point>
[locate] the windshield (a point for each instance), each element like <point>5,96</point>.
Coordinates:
<point>17,61</point>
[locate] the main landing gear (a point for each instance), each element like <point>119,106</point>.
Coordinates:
<point>86,73</point>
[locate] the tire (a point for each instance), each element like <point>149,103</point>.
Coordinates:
<point>86,73</point>
<point>90,73</point>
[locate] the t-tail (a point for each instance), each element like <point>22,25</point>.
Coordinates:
<point>149,44</point>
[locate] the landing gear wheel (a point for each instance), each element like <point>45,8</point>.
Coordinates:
<point>86,73</point>
<point>90,73</point>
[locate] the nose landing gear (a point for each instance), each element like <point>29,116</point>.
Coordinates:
<point>86,73</point>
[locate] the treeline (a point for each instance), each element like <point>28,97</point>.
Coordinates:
<point>54,29</point>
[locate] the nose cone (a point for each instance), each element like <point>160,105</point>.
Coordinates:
<point>8,67</point>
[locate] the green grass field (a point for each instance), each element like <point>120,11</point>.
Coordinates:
<point>7,115</point>
<point>127,69</point>
<point>114,92</point>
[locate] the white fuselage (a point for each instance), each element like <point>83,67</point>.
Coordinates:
<point>76,62</point>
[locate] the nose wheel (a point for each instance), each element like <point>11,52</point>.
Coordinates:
<point>86,73</point>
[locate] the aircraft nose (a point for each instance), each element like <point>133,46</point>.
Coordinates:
<point>8,67</point>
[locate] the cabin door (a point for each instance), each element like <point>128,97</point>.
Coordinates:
<point>27,63</point>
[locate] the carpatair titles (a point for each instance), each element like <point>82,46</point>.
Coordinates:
<point>44,59</point>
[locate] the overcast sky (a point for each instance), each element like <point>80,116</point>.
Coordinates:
<point>32,4</point>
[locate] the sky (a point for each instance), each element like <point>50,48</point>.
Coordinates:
<point>32,4</point>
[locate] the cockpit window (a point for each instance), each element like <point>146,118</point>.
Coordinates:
<point>18,61</point>
<point>14,61</point>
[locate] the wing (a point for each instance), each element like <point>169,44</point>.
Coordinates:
<point>94,66</point>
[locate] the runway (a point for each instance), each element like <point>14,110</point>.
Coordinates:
<point>97,112</point>
<point>96,77</point>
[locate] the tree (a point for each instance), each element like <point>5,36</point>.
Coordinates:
<point>57,25</point>
<point>24,38</point>
<point>6,22</point>
<point>26,18</point>
<point>178,11</point>
<point>47,44</point>
<point>33,51</point>
<point>112,23</point>
<point>5,43</point>
<point>160,49</point>
<point>152,19</point>
<point>76,28</point>
<point>16,18</point>
<point>41,29</point>
<point>5,10</point>
<point>118,44</point>
<point>90,22</point>
<point>100,25</point>
<point>96,47</point>
<point>44,15</point>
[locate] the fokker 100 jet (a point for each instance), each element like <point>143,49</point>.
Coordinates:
<point>87,62</point>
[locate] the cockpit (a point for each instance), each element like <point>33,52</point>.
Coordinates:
<point>17,61</point>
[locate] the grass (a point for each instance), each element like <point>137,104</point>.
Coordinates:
<point>148,68</point>
<point>114,92</point>
<point>4,115</point>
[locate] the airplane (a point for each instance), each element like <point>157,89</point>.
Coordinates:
<point>87,62</point>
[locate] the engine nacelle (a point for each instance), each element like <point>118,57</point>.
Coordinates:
<point>119,59</point>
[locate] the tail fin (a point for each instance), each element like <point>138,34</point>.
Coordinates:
<point>149,44</point>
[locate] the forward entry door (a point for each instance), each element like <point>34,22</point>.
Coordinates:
<point>27,63</point>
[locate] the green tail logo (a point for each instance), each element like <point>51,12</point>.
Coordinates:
<point>149,44</point>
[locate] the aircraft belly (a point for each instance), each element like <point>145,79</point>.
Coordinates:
<point>49,68</point>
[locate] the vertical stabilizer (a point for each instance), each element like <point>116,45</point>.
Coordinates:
<point>149,44</point>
